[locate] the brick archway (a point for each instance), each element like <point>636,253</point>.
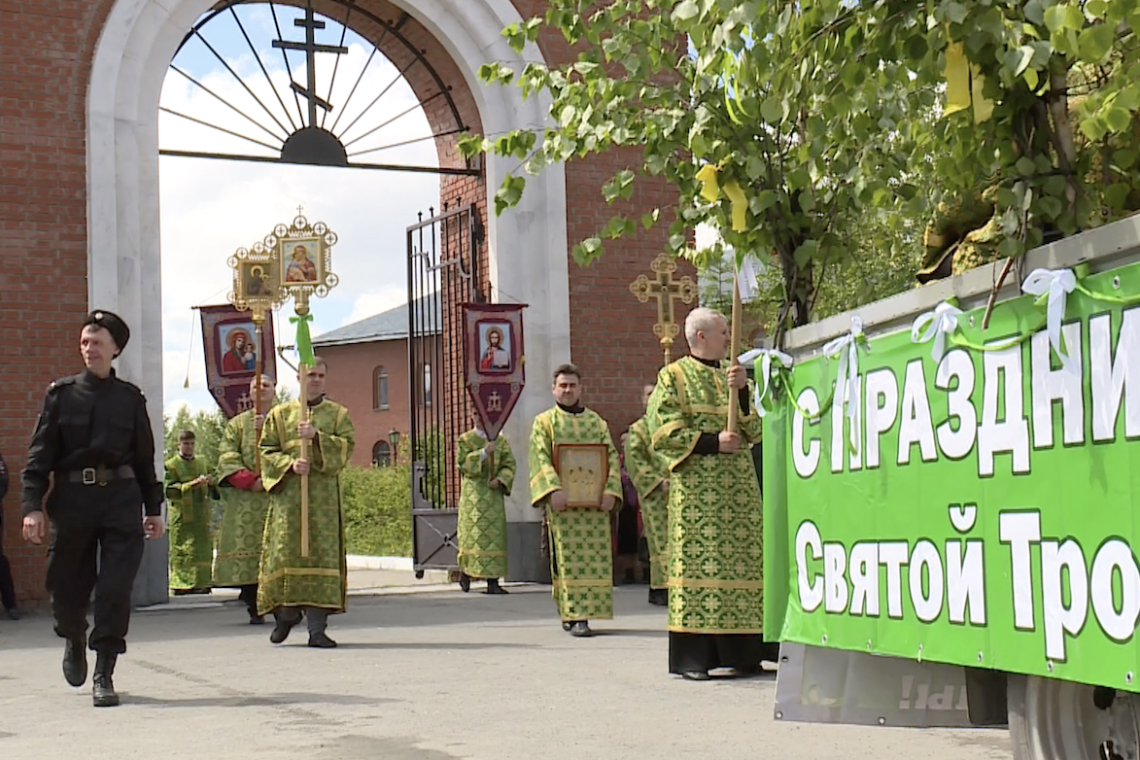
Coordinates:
<point>526,249</point>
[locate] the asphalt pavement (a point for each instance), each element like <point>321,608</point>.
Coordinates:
<point>423,672</point>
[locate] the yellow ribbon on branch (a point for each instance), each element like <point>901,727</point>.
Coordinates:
<point>711,191</point>
<point>964,85</point>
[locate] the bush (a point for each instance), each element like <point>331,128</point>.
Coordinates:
<point>378,510</point>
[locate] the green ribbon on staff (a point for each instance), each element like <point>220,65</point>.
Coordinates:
<point>304,340</point>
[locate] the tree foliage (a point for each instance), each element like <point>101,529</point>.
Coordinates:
<point>787,125</point>
<point>207,425</point>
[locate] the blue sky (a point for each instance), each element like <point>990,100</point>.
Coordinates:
<point>210,208</point>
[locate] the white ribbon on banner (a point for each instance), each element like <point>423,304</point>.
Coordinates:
<point>846,348</point>
<point>1058,283</point>
<point>939,325</point>
<point>763,376</point>
<point>748,278</point>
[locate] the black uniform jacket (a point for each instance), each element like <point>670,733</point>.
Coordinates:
<point>88,421</point>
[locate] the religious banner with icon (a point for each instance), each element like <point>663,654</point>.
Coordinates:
<point>494,359</point>
<point>228,336</point>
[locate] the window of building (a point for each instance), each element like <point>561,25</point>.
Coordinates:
<point>427,385</point>
<point>380,388</point>
<point>381,454</point>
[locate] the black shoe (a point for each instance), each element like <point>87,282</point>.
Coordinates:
<point>580,629</point>
<point>321,641</point>
<point>659,597</point>
<point>14,614</point>
<point>102,689</point>
<point>566,625</point>
<point>465,582</point>
<point>770,651</point>
<point>696,675</point>
<point>75,661</point>
<point>257,619</point>
<point>183,591</point>
<point>493,587</point>
<point>285,624</point>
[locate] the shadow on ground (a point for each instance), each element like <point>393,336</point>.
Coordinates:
<point>306,699</point>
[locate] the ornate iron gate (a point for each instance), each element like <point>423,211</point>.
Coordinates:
<point>443,274</point>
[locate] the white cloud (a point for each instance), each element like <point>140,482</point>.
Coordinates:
<point>375,302</point>
<point>211,208</point>
<point>706,236</point>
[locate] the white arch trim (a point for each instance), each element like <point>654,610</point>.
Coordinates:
<point>528,245</point>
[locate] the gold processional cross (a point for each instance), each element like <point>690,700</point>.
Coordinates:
<point>665,290</point>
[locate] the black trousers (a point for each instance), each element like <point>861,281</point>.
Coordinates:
<point>7,588</point>
<point>707,651</point>
<point>97,545</point>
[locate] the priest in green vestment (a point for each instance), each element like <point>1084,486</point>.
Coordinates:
<point>244,500</point>
<point>189,496</point>
<point>650,477</point>
<point>293,580</point>
<point>487,473</point>
<point>581,549</point>
<point>715,582</point>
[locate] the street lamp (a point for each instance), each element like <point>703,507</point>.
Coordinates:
<point>394,441</point>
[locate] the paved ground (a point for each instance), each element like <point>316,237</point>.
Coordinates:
<point>423,676</point>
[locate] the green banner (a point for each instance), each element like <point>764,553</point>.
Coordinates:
<point>975,510</point>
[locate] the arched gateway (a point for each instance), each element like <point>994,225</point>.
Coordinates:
<point>79,187</point>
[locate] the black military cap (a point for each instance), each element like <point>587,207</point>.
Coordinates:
<point>113,323</point>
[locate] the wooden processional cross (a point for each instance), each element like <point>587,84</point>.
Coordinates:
<point>665,290</point>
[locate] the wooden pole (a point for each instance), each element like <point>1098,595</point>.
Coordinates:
<point>734,351</point>
<point>304,417</point>
<point>257,396</point>
<point>491,466</point>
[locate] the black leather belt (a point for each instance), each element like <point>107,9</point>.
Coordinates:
<point>101,476</point>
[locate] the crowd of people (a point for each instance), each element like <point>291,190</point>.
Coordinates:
<point>683,479</point>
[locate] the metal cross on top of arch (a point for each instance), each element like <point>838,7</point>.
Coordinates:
<point>324,95</point>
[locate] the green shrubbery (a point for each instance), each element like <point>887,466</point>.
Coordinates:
<point>378,510</point>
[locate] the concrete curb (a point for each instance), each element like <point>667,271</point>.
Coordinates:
<point>361,562</point>
<point>423,588</point>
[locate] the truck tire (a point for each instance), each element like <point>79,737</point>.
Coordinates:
<point>1051,719</point>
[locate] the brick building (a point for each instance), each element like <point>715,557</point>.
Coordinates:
<point>368,373</point>
<point>79,211</point>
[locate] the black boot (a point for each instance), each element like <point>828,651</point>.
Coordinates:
<point>75,661</point>
<point>659,597</point>
<point>249,596</point>
<point>493,587</point>
<point>103,691</point>
<point>465,582</point>
<point>286,620</point>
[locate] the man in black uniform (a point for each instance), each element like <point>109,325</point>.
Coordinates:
<point>93,437</point>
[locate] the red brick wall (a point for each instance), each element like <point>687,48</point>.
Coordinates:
<point>350,382</point>
<point>614,346</point>
<point>46,49</point>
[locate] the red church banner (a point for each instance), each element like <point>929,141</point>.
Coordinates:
<point>229,339</point>
<point>494,359</point>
